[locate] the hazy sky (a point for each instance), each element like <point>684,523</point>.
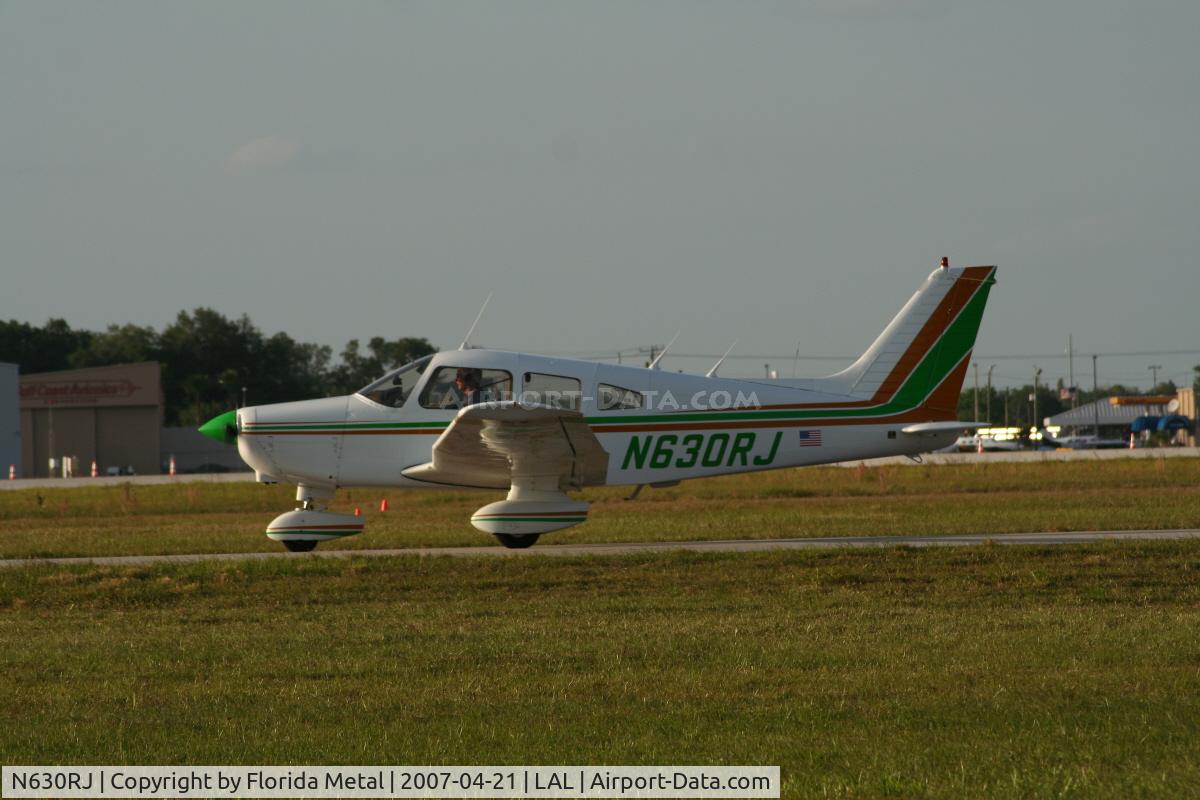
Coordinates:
<point>775,173</point>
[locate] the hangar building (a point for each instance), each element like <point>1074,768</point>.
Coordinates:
<point>1119,416</point>
<point>10,421</point>
<point>112,415</point>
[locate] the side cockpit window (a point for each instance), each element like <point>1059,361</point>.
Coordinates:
<point>394,388</point>
<point>615,398</point>
<point>459,387</point>
<point>557,391</point>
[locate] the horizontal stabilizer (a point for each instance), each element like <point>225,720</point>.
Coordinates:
<point>937,428</point>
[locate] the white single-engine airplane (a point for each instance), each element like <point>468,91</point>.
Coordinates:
<point>540,427</point>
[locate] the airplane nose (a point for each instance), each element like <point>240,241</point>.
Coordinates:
<point>223,428</point>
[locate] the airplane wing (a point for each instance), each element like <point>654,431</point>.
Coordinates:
<point>489,444</point>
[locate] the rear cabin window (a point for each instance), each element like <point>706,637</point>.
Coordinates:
<point>615,398</point>
<point>557,391</point>
<point>458,387</point>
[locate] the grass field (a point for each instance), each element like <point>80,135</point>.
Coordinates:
<point>984,672</point>
<point>833,501</point>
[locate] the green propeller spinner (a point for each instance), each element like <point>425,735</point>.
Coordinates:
<point>223,428</point>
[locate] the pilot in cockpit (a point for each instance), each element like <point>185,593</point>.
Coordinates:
<point>466,381</point>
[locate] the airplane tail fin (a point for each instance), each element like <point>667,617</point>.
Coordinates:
<point>920,359</point>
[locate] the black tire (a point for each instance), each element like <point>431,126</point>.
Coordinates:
<point>300,547</point>
<point>517,541</point>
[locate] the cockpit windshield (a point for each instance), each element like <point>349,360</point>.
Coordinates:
<point>395,387</point>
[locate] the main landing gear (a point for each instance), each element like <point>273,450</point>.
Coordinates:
<point>515,541</point>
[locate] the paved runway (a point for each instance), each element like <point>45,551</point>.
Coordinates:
<point>719,546</point>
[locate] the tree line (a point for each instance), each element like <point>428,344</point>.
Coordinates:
<point>207,359</point>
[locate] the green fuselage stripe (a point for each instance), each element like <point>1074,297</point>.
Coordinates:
<point>529,519</point>
<point>339,427</point>
<point>326,532</point>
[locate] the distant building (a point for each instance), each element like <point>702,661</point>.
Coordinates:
<point>1187,407</point>
<point>112,415</point>
<point>10,421</point>
<point>1106,414</point>
<point>1120,416</point>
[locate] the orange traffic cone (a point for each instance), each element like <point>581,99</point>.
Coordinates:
<point>358,512</point>
<point>979,445</point>
<point>95,471</point>
<point>383,505</point>
<point>12,472</point>
<point>171,466</point>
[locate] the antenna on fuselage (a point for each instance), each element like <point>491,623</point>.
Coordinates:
<point>478,317</point>
<point>663,352</point>
<point>720,361</point>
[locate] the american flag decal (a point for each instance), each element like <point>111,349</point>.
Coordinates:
<point>810,438</point>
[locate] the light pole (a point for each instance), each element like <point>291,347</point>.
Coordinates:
<point>975,418</point>
<point>1071,367</point>
<point>50,438</point>
<point>989,394</point>
<point>1154,368</point>
<point>1037,373</point>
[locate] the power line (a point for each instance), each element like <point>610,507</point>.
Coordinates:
<point>635,351</point>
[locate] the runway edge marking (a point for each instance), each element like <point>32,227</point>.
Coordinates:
<point>635,548</point>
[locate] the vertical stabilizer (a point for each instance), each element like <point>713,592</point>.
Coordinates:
<point>925,343</point>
